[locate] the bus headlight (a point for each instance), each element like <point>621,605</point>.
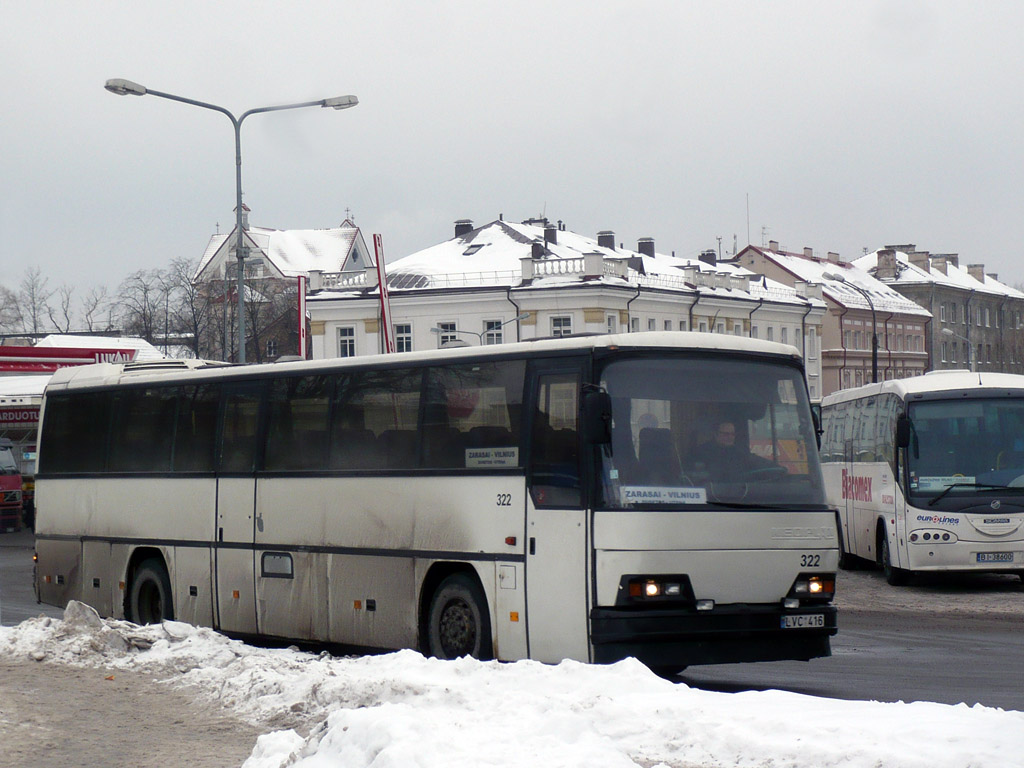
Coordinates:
<point>814,586</point>
<point>655,589</point>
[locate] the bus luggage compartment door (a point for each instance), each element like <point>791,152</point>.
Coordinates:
<point>236,594</point>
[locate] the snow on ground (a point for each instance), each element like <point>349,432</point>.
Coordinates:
<point>402,710</point>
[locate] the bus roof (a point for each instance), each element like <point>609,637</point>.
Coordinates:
<point>932,382</point>
<point>113,373</point>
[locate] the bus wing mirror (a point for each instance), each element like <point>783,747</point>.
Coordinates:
<point>816,418</point>
<point>902,432</point>
<point>597,417</point>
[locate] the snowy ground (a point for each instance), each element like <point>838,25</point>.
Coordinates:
<point>404,710</point>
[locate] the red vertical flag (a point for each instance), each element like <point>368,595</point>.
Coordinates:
<point>388,333</point>
<point>302,317</point>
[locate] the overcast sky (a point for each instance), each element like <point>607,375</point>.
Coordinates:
<point>846,125</point>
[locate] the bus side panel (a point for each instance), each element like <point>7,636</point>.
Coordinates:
<point>99,580</point>
<point>236,595</point>
<point>379,537</point>
<point>509,623</point>
<point>192,585</point>
<point>58,571</point>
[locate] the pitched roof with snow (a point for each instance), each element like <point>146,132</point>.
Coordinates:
<point>293,252</point>
<point>813,270</point>
<point>955,276</point>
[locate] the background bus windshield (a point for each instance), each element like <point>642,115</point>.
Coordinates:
<point>695,431</point>
<point>966,441</point>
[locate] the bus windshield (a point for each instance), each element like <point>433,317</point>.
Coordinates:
<point>8,466</point>
<point>966,446</point>
<point>708,431</point>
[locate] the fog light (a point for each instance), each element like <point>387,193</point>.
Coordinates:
<point>790,602</point>
<point>673,589</point>
<point>705,605</point>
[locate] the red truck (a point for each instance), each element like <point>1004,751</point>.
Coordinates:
<point>10,488</point>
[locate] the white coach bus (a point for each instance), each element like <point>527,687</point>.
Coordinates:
<point>928,472</point>
<point>542,500</point>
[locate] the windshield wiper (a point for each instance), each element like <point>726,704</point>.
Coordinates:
<point>968,485</point>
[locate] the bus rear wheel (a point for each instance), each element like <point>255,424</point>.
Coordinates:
<point>149,601</point>
<point>458,623</point>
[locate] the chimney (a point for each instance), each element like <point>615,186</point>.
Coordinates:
<point>551,234</point>
<point>953,258</point>
<point>645,245</point>
<point>939,263</point>
<point>977,271</point>
<point>606,239</point>
<point>526,266</point>
<point>886,269</point>
<point>833,257</point>
<point>316,280</point>
<point>593,265</point>
<point>919,259</point>
<point>773,245</point>
<point>808,253</point>
<point>708,257</point>
<point>462,226</point>
<point>994,276</point>
<point>537,250</point>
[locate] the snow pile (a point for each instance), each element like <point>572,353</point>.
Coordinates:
<point>402,709</point>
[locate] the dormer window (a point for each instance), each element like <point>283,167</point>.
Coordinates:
<point>473,249</point>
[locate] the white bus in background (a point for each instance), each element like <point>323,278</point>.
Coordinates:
<point>546,500</point>
<point>928,472</point>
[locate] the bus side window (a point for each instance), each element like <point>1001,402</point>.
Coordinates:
<point>554,470</point>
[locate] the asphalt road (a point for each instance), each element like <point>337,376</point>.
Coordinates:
<point>948,639</point>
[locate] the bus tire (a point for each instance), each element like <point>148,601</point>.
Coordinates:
<point>895,576</point>
<point>150,601</point>
<point>458,623</point>
<point>847,561</point>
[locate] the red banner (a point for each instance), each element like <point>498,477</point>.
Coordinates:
<point>49,359</point>
<point>385,300</point>
<point>24,416</point>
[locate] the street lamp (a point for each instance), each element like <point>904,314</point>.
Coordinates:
<point>874,326</point>
<point>128,88</point>
<point>970,347</point>
<point>481,334</point>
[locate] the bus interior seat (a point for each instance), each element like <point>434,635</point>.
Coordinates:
<point>354,449</point>
<point>659,461</point>
<point>399,448</point>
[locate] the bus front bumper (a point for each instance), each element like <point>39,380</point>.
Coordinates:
<point>726,634</point>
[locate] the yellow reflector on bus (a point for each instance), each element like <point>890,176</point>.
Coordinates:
<point>513,616</point>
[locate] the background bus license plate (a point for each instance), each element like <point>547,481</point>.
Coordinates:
<point>800,622</point>
<point>995,557</point>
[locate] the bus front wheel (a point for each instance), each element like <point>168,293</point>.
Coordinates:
<point>149,601</point>
<point>895,576</point>
<point>458,623</point>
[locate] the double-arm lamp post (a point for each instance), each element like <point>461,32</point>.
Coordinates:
<point>127,87</point>
<point>874,326</point>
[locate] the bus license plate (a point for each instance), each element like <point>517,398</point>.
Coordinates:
<point>802,622</point>
<point>995,557</point>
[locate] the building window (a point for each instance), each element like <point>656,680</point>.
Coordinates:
<point>682,325</point>
<point>650,323</point>
<point>634,325</point>
<point>952,352</point>
<point>784,335</point>
<point>720,328</point>
<point>347,342</point>
<point>447,333</point>
<point>942,312</point>
<point>812,343</point>
<point>703,327</point>
<point>561,325</point>
<point>847,335</point>
<point>945,351</point>
<point>988,318</point>
<point>612,322</point>
<point>753,331</point>
<point>271,347</point>
<point>492,332</point>
<point>668,325</point>
<point>856,340</point>
<point>403,337</point>
<point>770,334</point>
<point>846,380</point>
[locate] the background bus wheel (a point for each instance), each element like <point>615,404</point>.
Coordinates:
<point>149,601</point>
<point>458,623</point>
<point>895,576</point>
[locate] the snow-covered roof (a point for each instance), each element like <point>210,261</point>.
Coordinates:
<point>146,351</point>
<point>294,252</point>
<point>955,276</point>
<point>491,255</point>
<point>814,270</point>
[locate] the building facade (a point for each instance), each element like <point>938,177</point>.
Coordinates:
<point>507,281</point>
<point>977,320</point>
<point>870,331</point>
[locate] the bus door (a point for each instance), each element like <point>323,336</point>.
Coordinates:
<point>236,503</point>
<point>556,521</point>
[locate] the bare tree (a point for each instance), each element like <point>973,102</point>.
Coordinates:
<point>33,300</point>
<point>10,311</point>
<point>141,297</point>
<point>191,307</point>
<point>269,307</point>
<point>93,305</point>
<point>60,316</point>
